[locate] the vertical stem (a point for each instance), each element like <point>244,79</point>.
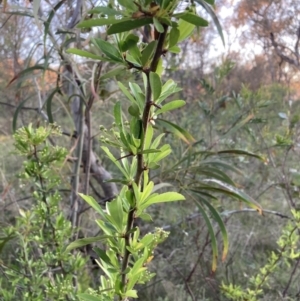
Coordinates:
<point>140,159</point>
<point>95,85</point>
<point>76,172</point>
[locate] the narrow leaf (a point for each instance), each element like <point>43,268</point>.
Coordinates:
<point>86,241</point>
<point>51,15</point>
<point>158,26</point>
<point>92,202</point>
<point>30,70</point>
<point>194,19</point>
<point>84,53</point>
<point>175,104</point>
<point>156,85</point>
<point>87,297</point>
<point>130,5</point>
<point>185,30</point>
<point>165,197</point>
<point>212,237</point>
<point>98,22</point>
<point>115,161</point>
<point>108,49</point>
<point>241,153</point>
<point>113,72</point>
<point>173,36</point>
<point>238,194</point>
<point>176,130</point>
<point>222,226</point>
<point>126,93</point>
<point>105,10</point>
<point>148,52</point>
<point>210,11</point>
<point>16,114</point>
<point>211,2</point>
<point>118,115</point>
<point>49,104</point>
<point>126,25</point>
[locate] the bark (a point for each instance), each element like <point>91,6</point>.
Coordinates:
<point>98,172</point>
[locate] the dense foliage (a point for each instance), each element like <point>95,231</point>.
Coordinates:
<point>114,115</point>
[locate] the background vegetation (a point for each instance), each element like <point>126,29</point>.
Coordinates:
<point>243,97</point>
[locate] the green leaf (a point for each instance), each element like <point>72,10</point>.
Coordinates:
<point>153,165</point>
<point>115,161</point>
<point>128,4</point>
<point>126,93</point>
<point>241,153</point>
<point>49,104</point>
<point>87,297</point>
<point>164,197</point>
<point>210,11</point>
<point>220,164</point>
<point>102,255</point>
<point>108,49</point>
<point>126,25</point>
<point>148,137</point>
<point>91,201</point>
<point>133,60</point>
<point>212,236</point>
<point>175,104</point>
<point>215,173</point>
<point>50,17</point>
<point>165,150</point>
<point>105,10</point>
<point>173,37</point>
<point>138,94</point>
<point>222,226</point>
<point>131,294</point>
<point>169,88</point>
<point>113,72</point>
<point>145,217</point>
<point>175,49</point>
<point>238,125</point>
<point>237,193</point>
<point>84,53</point>
<point>134,110</point>
<point>148,52</point>
<point>176,130</point>
<point>5,240</point>
<point>16,114</point>
<point>30,70</point>
<point>150,151</point>
<point>155,84</point>
<point>185,30</point>
<point>118,115</point>
<point>194,19</point>
<point>130,41</point>
<point>158,26</point>
<point>115,211</point>
<point>159,69</point>
<point>86,241</point>
<point>98,22</point>
<point>136,126</point>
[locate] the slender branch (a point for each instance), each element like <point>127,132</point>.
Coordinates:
<point>23,108</point>
<point>75,180</point>
<point>140,162</point>
<point>95,85</point>
<point>291,278</point>
<point>280,54</point>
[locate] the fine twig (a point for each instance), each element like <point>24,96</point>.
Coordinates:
<point>291,278</point>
